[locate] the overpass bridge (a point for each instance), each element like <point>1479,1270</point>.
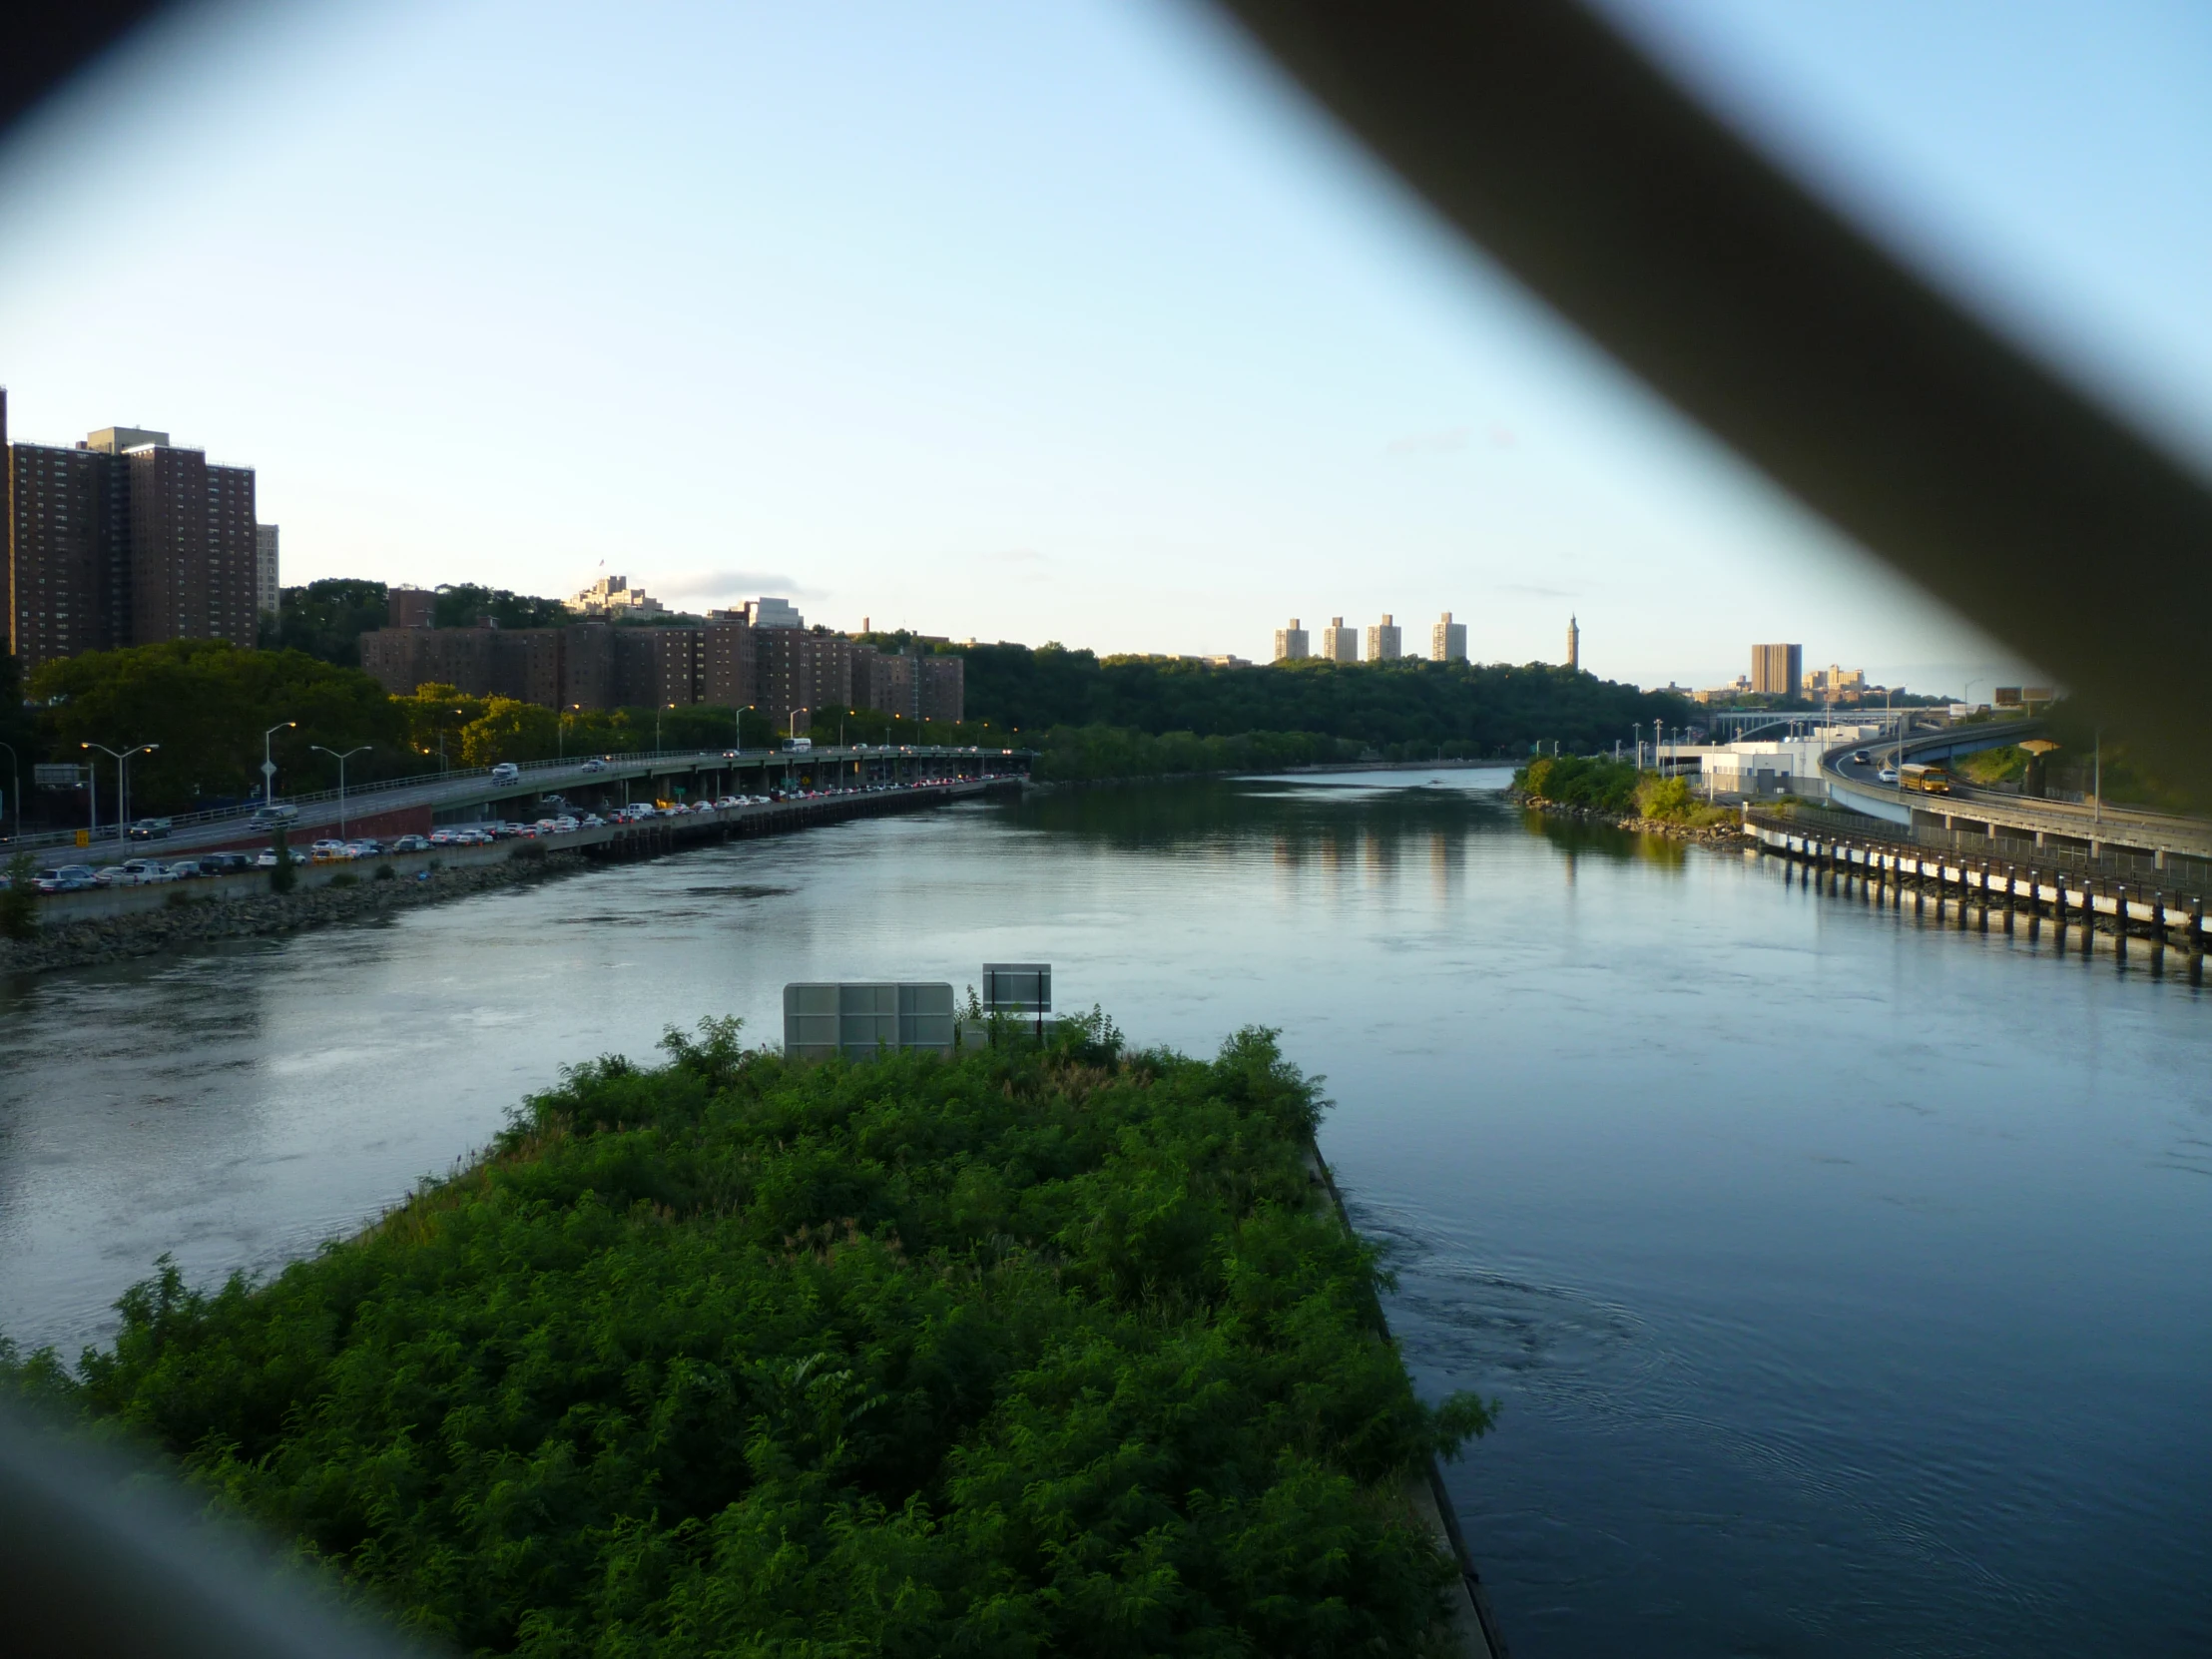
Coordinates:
<point>586,783</point>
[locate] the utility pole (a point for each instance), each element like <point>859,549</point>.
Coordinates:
<point>342,760</point>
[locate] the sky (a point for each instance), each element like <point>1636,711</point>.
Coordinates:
<point>1036,323</point>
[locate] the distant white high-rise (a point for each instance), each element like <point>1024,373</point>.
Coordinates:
<point>1447,641</point>
<point>1338,644</point>
<point>265,570</point>
<point>1291,643</point>
<point>1383,640</point>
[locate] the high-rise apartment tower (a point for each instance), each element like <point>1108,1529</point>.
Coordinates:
<point>1447,641</point>
<point>1291,643</point>
<point>1383,640</point>
<point>1338,644</point>
<point>1777,670</point>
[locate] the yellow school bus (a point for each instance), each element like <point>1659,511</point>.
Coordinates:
<point>1928,780</point>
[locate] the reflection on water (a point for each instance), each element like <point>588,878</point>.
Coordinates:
<point>1846,1278</point>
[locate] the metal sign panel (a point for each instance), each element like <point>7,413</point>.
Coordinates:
<point>57,778</point>
<point>1017,987</point>
<point>862,1019</point>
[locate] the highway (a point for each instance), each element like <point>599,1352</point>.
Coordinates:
<point>588,781</point>
<point>1857,784</point>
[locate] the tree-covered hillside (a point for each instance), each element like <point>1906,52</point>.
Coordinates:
<point>1493,708</point>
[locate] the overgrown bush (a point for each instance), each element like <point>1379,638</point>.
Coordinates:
<point>343,879</point>
<point>18,903</point>
<point>384,873</point>
<point>1578,781</point>
<point>526,852</point>
<point>1029,1352</point>
<point>284,876</point>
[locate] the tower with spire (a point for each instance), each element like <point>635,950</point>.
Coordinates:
<point>1574,645</point>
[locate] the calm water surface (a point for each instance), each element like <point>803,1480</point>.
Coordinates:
<point>1846,1282</point>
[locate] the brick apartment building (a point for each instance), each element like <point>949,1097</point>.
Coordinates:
<point>125,539</point>
<point>780,667</point>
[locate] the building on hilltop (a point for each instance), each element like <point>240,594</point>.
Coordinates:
<point>1574,645</point>
<point>408,606</point>
<point>1836,683</point>
<point>1447,640</point>
<point>124,539</point>
<point>1291,643</point>
<point>1777,670</point>
<point>1384,644</point>
<point>611,596</point>
<point>1338,644</point>
<point>772,613</point>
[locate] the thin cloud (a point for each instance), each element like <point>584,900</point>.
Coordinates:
<point>722,584</point>
<point>1016,556</point>
<point>1536,590</point>
<point>1449,443</point>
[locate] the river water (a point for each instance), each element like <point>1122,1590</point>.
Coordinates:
<point>1845,1280</point>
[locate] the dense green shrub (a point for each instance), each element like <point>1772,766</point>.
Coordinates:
<point>1026,1353</point>
<point>284,876</point>
<point>18,904</point>
<point>1577,780</point>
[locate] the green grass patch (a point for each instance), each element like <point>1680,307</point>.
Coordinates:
<point>1031,1351</point>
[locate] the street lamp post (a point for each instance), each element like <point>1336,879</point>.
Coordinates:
<point>342,760</point>
<point>121,787</point>
<point>269,767</point>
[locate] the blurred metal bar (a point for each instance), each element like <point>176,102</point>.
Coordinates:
<point>97,1559</point>
<point>1904,421</point>
<point>47,44</point>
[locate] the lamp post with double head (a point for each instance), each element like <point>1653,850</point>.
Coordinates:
<point>122,785</point>
<point>362,749</point>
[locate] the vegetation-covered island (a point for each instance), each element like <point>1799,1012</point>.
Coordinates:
<point>1051,1350</point>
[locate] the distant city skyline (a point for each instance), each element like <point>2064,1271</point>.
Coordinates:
<point>1027,323</point>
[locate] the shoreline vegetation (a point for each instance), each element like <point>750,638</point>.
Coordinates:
<point>1618,792</point>
<point>1037,1349</point>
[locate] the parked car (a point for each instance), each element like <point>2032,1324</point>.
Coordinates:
<point>63,878</point>
<point>326,850</point>
<point>506,771</point>
<point>412,843</point>
<point>592,821</point>
<point>267,857</point>
<point>225,864</point>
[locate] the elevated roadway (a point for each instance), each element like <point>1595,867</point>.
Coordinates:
<point>587,784</point>
<point>2084,826</point>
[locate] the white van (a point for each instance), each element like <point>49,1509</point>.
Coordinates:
<point>506,771</point>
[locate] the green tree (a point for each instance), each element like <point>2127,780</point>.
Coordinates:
<point>326,619</point>
<point>464,604</point>
<point>207,704</point>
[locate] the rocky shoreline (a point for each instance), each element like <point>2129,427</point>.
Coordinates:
<point>1730,834</point>
<point>194,922</point>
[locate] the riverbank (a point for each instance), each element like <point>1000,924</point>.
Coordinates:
<point>1728,834</point>
<point>189,920</point>
<point>1124,1394</point>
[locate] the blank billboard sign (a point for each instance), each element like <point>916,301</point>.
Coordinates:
<point>860,1019</point>
<point>1017,987</point>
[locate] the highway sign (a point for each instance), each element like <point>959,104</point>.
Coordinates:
<point>57,778</point>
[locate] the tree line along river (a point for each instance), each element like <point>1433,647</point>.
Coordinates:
<point>1843,1279</point>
